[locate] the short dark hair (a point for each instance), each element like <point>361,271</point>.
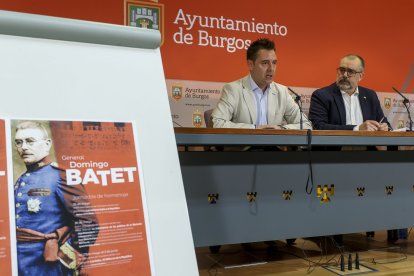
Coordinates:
<point>354,56</point>
<point>257,45</point>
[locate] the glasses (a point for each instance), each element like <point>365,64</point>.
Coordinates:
<point>350,72</point>
<point>29,142</point>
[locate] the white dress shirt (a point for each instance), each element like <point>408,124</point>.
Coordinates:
<point>352,109</point>
<point>261,102</point>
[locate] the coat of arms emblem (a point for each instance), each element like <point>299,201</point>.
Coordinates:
<point>176,92</point>
<point>148,15</point>
<point>387,103</point>
<point>197,119</point>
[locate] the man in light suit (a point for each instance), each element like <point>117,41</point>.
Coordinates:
<point>256,101</point>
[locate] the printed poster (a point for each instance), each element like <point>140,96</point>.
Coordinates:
<point>5,250</point>
<point>78,203</point>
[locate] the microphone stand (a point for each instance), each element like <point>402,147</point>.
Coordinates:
<point>174,122</point>
<point>406,103</point>
<point>299,102</point>
<point>407,106</point>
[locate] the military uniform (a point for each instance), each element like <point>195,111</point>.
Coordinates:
<point>44,204</point>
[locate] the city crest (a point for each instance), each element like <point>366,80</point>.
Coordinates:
<point>387,103</point>
<point>197,119</point>
<point>176,92</point>
<point>146,15</point>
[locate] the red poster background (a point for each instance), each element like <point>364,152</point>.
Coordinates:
<point>319,33</point>
<point>98,147</point>
<point>5,253</point>
<point>114,144</point>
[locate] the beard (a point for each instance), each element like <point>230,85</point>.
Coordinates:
<point>344,84</point>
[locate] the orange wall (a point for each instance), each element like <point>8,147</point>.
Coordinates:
<point>319,33</point>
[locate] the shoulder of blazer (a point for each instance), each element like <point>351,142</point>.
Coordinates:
<point>245,83</point>
<point>366,91</point>
<point>277,88</point>
<point>236,87</point>
<point>328,92</point>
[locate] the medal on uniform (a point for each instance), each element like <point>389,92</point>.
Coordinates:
<point>33,205</point>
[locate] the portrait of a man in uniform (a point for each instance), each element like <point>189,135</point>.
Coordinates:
<point>55,224</point>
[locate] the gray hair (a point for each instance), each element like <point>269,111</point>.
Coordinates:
<point>33,125</point>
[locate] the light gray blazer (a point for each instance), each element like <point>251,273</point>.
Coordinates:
<point>237,108</point>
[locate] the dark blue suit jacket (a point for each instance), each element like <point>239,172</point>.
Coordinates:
<point>327,109</point>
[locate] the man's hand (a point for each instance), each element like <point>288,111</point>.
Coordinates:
<point>370,125</point>
<point>269,127</point>
<point>383,127</point>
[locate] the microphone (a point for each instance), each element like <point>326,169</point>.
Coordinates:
<point>406,103</point>
<point>298,97</point>
<point>299,102</point>
<point>174,122</point>
<point>401,94</point>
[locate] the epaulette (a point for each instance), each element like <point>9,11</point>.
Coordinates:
<point>56,166</point>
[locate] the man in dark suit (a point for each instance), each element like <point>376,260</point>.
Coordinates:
<point>344,105</point>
